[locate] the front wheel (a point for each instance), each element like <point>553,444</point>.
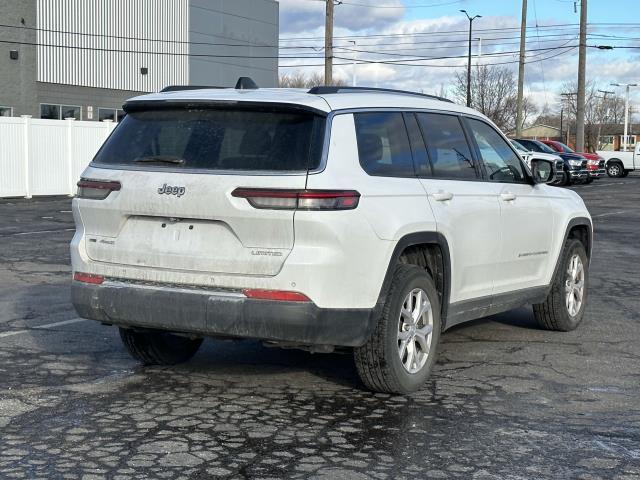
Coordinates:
<point>564,306</point>
<point>155,347</point>
<point>401,352</point>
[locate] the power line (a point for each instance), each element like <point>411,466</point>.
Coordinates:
<point>448,32</point>
<point>147,52</point>
<point>565,50</point>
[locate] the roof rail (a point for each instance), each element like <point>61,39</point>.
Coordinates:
<point>323,90</point>
<point>177,88</point>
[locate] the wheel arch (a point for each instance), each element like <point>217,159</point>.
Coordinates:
<point>405,247</point>
<point>580,228</point>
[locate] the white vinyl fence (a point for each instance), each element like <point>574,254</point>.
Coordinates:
<point>46,157</point>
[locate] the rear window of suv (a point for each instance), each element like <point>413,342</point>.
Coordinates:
<point>217,139</point>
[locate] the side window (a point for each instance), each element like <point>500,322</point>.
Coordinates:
<point>500,161</point>
<point>383,145</point>
<point>420,158</point>
<point>447,146</point>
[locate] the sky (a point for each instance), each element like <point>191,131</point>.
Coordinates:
<point>409,32</point>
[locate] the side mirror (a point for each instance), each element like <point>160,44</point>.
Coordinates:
<point>543,170</point>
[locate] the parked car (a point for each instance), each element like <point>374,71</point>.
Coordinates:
<point>575,166</point>
<point>595,162</point>
<point>619,164</point>
<point>345,217</point>
<point>527,155</point>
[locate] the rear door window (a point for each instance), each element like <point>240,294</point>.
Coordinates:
<point>217,139</point>
<point>383,144</point>
<point>449,152</point>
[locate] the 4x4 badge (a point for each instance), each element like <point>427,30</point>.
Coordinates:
<point>169,190</point>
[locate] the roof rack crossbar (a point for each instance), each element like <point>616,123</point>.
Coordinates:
<point>323,90</point>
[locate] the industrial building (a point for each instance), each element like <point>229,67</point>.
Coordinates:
<point>82,58</point>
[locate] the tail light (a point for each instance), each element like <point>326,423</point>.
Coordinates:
<point>96,189</point>
<point>281,199</point>
<point>280,295</point>
<point>88,278</point>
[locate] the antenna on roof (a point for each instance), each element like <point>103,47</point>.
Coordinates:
<point>246,83</point>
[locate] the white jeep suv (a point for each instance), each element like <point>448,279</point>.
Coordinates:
<point>335,217</point>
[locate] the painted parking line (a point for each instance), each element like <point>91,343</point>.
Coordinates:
<point>37,232</point>
<point>43,327</point>
<point>611,213</point>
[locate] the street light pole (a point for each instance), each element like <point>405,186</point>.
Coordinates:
<point>625,138</point>
<point>353,65</point>
<point>471,19</point>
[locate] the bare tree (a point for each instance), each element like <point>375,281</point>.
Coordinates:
<point>493,92</point>
<point>300,80</point>
<point>601,111</point>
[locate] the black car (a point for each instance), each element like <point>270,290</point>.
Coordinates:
<point>575,166</point>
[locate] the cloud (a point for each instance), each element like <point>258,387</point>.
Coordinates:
<point>387,37</point>
<point>304,16</point>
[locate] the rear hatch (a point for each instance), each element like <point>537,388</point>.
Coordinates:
<point>177,168</point>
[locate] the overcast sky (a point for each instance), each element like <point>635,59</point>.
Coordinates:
<point>410,32</point>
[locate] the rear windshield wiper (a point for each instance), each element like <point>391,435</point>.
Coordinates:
<point>160,159</point>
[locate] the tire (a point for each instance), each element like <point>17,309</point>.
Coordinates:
<point>615,170</point>
<point>567,179</point>
<point>378,362</point>
<point>626,173</point>
<point>554,313</point>
<point>155,347</point>
<point>589,180</point>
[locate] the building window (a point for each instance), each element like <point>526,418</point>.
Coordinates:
<point>60,112</point>
<point>107,114</point>
<point>71,111</point>
<point>50,112</point>
<point>6,111</point>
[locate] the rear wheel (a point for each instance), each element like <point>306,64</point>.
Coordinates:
<point>614,169</point>
<point>564,306</point>
<point>401,352</point>
<point>155,347</point>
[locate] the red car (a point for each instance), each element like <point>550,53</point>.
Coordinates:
<point>595,163</point>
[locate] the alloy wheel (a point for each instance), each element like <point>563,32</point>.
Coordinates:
<point>415,329</point>
<point>574,285</point>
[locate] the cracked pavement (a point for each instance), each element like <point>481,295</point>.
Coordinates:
<point>506,399</point>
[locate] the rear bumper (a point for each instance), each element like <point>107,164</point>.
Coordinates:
<point>220,313</point>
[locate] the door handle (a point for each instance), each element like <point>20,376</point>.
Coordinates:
<point>508,196</point>
<point>442,196</point>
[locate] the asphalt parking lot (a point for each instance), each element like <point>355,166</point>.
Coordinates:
<point>506,400</point>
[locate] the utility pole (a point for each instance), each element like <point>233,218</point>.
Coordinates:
<point>479,39</point>
<point>471,19</point>
<point>582,65</point>
<point>523,39</point>
<point>328,44</point>
<point>625,138</point>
